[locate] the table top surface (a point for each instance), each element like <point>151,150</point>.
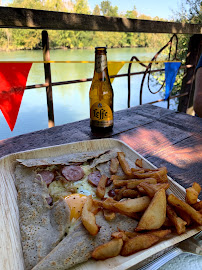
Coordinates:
<point>164,137</point>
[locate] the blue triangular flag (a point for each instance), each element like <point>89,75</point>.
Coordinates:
<point>171,69</point>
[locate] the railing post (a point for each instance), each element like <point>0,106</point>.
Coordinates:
<point>47,70</point>
<point>193,54</point>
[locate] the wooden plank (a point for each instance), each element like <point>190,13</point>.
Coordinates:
<point>183,161</point>
<point>193,124</point>
<point>40,19</point>
<point>47,70</point>
<point>152,138</point>
<point>72,132</point>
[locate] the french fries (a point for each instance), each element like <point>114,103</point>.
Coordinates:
<point>179,223</point>
<point>192,193</point>
<point>197,206</point>
<point>160,175</point>
<point>138,163</point>
<point>127,235</point>
<point>196,216</point>
<point>155,215</point>
<point>108,250</point>
<point>100,191</point>
<point>121,235</point>
<point>114,165</point>
<point>138,243</point>
<point>88,218</point>
<point>183,216</point>
<point>119,194</point>
<point>158,186</point>
<point>133,205</point>
<point>197,187</point>
<point>132,183</point>
<point>108,214</point>
<point>135,183</point>
<point>139,170</point>
<point>151,189</point>
<point>109,204</point>
<point>130,193</point>
<point>118,177</point>
<point>124,164</point>
<point>139,194</point>
<point>160,233</point>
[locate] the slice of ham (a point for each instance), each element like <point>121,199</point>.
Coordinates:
<point>94,178</point>
<point>46,176</point>
<point>73,173</point>
<point>111,193</point>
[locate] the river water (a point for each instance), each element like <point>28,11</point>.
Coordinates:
<point>71,102</point>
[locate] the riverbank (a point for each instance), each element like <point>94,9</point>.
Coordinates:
<point>11,49</point>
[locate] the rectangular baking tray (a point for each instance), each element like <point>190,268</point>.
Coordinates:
<point>11,256</point>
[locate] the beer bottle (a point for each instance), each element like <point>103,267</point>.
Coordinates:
<point>101,94</point>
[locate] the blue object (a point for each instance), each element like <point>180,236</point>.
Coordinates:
<point>171,69</point>
<point>199,63</point>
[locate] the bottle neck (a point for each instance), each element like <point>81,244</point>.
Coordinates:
<point>100,62</point>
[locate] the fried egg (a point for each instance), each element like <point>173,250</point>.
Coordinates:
<point>75,203</point>
<point>59,188</point>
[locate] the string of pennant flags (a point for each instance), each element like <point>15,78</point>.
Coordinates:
<point>91,62</point>
<point>14,74</point>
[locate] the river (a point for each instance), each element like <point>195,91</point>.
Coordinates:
<point>71,102</point>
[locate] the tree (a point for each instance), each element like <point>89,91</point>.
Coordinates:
<point>194,11</point>
<point>190,11</point>
<point>81,6</point>
<point>108,10</point>
<point>96,10</point>
<point>132,14</point>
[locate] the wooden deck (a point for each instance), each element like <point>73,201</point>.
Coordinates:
<point>164,137</point>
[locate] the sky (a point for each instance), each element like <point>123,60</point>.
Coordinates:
<point>160,8</point>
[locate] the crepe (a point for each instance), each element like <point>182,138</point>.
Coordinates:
<point>46,241</point>
<point>79,244</point>
<point>64,159</point>
<point>38,220</point>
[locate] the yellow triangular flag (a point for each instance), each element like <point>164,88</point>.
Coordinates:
<point>113,69</point>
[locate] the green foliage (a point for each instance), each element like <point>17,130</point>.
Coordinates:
<point>190,11</point>
<point>31,39</point>
<point>108,10</point>
<point>81,6</point>
<point>96,10</point>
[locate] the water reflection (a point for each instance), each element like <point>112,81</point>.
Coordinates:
<point>71,102</point>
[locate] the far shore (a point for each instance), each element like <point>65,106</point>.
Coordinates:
<point>64,48</point>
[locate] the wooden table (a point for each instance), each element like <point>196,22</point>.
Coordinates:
<point>164,137</point>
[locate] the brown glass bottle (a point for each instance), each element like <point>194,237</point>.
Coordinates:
<point>101,94</point>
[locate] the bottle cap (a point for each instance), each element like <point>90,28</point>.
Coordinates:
<point>101,49</point>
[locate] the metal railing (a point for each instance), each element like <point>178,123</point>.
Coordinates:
<point>21,18</point>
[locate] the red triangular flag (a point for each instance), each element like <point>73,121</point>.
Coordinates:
<point>13,79</point>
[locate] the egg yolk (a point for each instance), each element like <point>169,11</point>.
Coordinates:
<point>75,203</point>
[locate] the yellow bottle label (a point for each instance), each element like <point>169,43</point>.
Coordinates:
<point>101,115</point>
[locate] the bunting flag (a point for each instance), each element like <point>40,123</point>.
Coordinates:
<point>13,78</point>
<point>114,68</point>
<point>171,69</point>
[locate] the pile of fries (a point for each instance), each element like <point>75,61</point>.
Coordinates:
<point>140,194</point>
